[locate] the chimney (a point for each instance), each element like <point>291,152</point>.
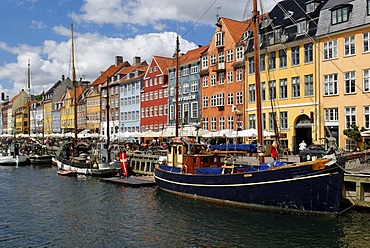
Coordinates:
<point>136,60</point>
<point>2,96</point>
<point>119,59</point>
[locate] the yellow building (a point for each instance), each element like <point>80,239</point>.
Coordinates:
<point>48,108</point>
<point>21,120</point>
<point>19,112</point>
<point>67,112</point>
<point>93,110</point>
<point>344,40</point>
<point>288,76</point>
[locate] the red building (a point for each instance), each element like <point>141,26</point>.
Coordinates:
<point>154,95</point>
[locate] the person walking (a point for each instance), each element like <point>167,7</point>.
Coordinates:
<point>274,152</point>
<point>302,145</point>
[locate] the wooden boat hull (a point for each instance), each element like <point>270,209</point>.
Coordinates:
<point>100,170</point>
<point>292,189</point>
<point>41,159</point>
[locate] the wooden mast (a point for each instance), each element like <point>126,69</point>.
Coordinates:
<point>43,127</point>
<point>177,87</point>
<point>257,77</point>
<point>74,88</point>
<point>29,97</point>
<point>108,109</point>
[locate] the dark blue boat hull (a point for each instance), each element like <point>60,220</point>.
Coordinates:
<point>298,188</point>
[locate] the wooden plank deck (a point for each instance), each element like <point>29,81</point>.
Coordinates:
<point>140,181</point>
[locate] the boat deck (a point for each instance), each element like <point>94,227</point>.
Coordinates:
<point>140,181</point>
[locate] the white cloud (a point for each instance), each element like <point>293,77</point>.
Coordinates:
<point>93,53</point>
<point>152,12</point>
<point>37,25</point>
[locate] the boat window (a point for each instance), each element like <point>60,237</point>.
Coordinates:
<point>180,150</point>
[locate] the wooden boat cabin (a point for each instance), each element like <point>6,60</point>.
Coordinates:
<point>187,155</point>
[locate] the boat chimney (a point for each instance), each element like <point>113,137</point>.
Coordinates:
<point>119,59</point>
<point>2,96</point>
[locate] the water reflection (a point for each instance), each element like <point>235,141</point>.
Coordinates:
<point>38,208</point>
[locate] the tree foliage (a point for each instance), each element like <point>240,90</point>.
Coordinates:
<point>354,132</point>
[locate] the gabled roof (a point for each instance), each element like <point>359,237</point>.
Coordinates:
<point>79,91</point>
<point>333,3</point>
<point>236,28</point>
<point>113,69</point>
<point>163,63</point>
<point>15,97</point>
<point>192,55</point>
<point>92,92</point>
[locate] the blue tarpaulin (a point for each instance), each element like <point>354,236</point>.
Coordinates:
<point>252,148</point>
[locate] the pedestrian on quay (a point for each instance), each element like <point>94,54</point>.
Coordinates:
<point>274,151</point>
<point>302,145</point>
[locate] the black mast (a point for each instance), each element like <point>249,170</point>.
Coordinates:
<point>108,108</point>
<point>74,88</point>
<point>177,87</point>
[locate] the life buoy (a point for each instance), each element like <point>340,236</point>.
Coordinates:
<point>184,168</point>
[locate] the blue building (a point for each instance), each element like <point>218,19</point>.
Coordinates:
<point>131,83</point>
<point>188,88</point>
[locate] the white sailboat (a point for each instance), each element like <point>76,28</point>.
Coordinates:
<point>95,159</point>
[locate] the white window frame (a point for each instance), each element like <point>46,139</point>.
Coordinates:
<point>330,50</point>
<point>350,82</point>
<point>366,80</point>
<point>349,46</point>
<point>350,116</point>
<point>331,85</point>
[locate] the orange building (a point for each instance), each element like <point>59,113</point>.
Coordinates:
<point>222,77</point>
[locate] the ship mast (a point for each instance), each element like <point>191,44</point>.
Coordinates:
<point>257,77</point>
<point>74,88</point>
<point>177,87</point>
<point>29,98</point>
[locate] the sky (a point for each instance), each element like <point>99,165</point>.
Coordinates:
<point>39,31</point>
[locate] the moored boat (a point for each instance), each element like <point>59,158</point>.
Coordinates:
<point>96,163</point>
<point>102,160</point>
<point>12,157</point>
<point>310,187</point>
<point>69,173</point>
<point>192,171</point>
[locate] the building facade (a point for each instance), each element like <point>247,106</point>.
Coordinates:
<point>188,88</point>
<point>131,83</point>
<point>344,41</point>
<point>222,77</point>
<point>288,73</point>
<point>154,94</point>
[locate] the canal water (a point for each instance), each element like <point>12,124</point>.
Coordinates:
<point>38,208</point>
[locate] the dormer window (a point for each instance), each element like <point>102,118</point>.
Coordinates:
<point>340,14</point>
<point>301,27</point>
<point>219,39</point>
<point>288,14</point>
<point>311,6</point>
<point>265,22</point>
